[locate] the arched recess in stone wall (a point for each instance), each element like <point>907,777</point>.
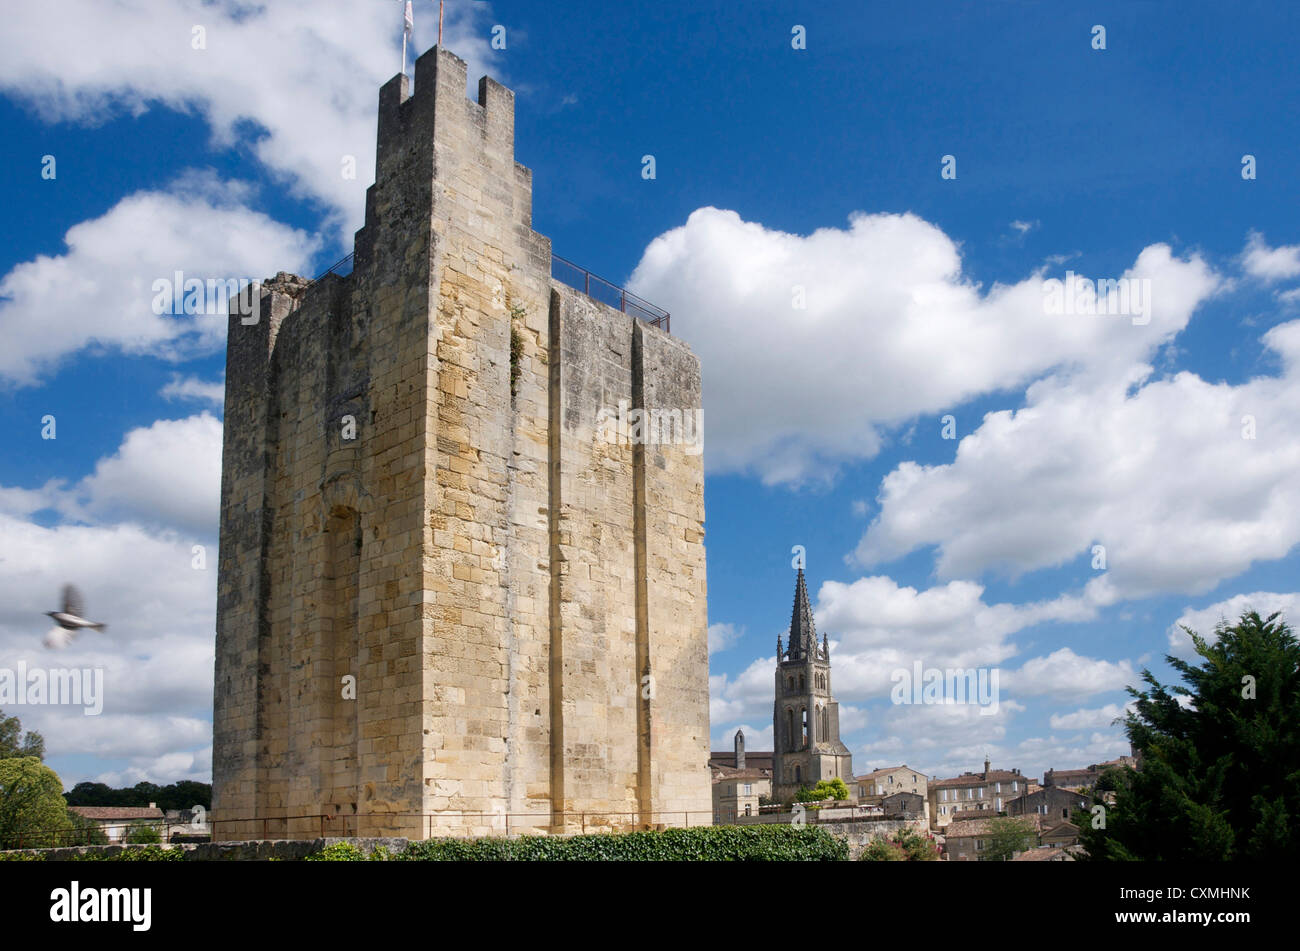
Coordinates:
<point>343,509</point>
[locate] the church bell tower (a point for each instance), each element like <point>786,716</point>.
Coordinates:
<point>805,716</point>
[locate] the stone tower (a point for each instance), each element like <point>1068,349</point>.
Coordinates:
<point>448,601</point>
<point>805,718</point>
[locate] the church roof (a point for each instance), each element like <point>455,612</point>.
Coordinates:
<point>967,828</point>
<point>885,771</point>
<point>723,774</point>
<point>754,759</point>
<point>979,779</point>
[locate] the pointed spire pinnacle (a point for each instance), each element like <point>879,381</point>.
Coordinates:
<point>780,649</point>
<point>826,646</point>
<point>803,636</point>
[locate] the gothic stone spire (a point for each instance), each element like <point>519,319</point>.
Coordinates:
<point>803,636</point>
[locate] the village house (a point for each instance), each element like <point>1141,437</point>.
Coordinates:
<point>116,821</point>
<point>874,786</point>
<point>988,791</point>
<point>968,840</point>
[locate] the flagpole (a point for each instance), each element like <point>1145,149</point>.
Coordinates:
<point>439,24</point>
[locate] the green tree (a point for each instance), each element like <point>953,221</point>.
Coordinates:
<point>143,833</point>
<point>825,789</point>
<point>1110,779</point>
<point>185,794</point>
<point>90,794</point>
<point>1008,835</point>
<point>83,831</point>
<point>1219,775</point>
<point>32,811</point>
<point>13,743</point>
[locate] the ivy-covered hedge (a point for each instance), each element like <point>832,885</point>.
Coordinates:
<point>148,853</point>
<point>771,843</point>
<point>768,843</point>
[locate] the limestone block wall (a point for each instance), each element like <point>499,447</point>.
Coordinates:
<point>416,495</point>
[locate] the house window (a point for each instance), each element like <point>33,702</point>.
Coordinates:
<point>747,812</point>
<point>1015,787</point>
<point>749,789</point>
<point>979,844</point>
<point>999,787</point>
<point>999,803</point>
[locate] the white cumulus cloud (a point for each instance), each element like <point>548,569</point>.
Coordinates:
<point>100,292</point>
<point>1183,482</point>
<point>814,345</point>
<point>1270,264</point>
<point>295,82</point>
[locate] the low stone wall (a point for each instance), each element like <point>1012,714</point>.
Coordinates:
<point>857,831</point>
<point>860,832</point>
<point>256,850</point>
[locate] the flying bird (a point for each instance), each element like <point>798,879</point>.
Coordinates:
<point>70,620</point>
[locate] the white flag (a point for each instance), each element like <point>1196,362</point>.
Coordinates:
<point>410,19</point>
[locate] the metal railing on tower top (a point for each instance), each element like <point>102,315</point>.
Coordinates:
<point>609,293</point>
<point>576,277</point>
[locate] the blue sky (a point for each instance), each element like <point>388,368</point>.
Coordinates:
<point>775,167</point>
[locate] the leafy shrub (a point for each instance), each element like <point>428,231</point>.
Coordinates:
<point>338,852</point>
<point>148,853</point>
<point>905,846</point>
<point>882,850</point>
<point>143,833</point>
<point>770,843</point>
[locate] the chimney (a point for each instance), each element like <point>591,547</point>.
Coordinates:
<point>153,805</point>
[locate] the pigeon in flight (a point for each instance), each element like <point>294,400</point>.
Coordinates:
<point>70,621</point>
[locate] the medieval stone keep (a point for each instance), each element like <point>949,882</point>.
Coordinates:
<point>448,602</point>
